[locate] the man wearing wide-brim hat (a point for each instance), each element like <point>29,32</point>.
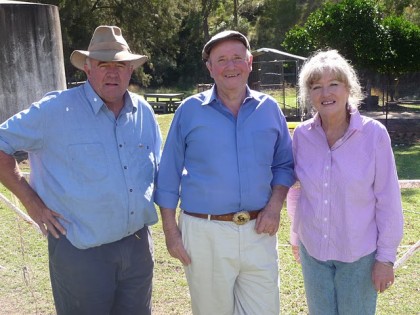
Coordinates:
<point>93,152</point>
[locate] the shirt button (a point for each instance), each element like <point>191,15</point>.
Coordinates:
<point>326,184</point>
<point>325,236</point>
<point>325,219</point>
<point>132,212</point>
<point>125,167</point>
<point>325,201</point>
<point>131,190</point>
<point>120,145</point>
<point>327,168</point>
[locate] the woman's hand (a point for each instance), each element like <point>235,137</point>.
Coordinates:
<point>382,276</point>
<point>295,252</point>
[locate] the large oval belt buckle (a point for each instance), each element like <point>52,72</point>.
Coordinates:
<point>241,217</point>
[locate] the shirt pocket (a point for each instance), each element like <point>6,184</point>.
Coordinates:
<point>264,143</point>
<point>88,161</point>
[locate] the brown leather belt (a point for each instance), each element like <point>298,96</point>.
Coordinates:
<point>239,218</point>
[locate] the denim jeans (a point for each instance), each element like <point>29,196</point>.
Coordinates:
<point>333,287</point>
<point>114,278</point>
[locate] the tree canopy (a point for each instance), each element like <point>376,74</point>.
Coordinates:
<point>173,32</point>
<point>358,30</point>
<point>404,39</point>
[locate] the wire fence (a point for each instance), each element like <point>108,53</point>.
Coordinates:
<point>278,79</point>
<point>404,89</point>
<point>24,279</point>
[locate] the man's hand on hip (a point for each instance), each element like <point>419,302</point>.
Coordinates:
<point>46,219</point>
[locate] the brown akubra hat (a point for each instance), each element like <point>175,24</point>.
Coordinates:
<point>107,44</point>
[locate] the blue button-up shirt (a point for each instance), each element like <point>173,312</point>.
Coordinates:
<point>96,170</point>
<point>217,163</point>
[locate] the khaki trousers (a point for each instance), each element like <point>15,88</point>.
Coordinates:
<point>234,270</point>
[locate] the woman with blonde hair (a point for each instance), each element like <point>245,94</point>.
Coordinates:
<point>347,222</point>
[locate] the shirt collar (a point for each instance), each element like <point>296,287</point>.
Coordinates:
<point>316,121</point>
<point>356,122</point>
<point>96,102</point>
<point>210,96</point>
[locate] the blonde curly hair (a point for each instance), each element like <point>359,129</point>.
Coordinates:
<point>328,61</point>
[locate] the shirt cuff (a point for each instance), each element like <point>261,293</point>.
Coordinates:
<point>386,255</point>
<point>294,238</point>
<point>166,200</point>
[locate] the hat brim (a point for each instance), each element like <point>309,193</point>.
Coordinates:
<point>78,57</point>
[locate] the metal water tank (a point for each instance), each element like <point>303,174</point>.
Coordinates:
<point>31,54</point>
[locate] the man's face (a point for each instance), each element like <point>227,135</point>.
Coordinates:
<point>229,65</point>
<point>109,79</point>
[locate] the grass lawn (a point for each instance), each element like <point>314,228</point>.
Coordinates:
<point>24,280</point>
<point>407,160</point>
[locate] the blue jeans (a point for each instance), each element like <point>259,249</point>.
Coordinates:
<point>114,278</point>
<point>333,287</point>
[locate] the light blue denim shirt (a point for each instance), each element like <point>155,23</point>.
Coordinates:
<point>96,170</point>
<point>217,163</point>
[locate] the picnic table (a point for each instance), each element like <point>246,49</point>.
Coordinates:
<point>164,103</point>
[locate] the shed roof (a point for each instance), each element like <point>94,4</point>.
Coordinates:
<point>262,51</point>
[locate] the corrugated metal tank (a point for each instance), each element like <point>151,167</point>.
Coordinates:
<point>31,54</point>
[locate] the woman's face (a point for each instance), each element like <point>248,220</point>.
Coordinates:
<point>329,96</point>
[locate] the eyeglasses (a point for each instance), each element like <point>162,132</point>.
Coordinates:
<point>223,62</point>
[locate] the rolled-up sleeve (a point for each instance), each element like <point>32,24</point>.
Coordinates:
<point>283,164</point>
<point>23,131</point>
<point>171,166</point>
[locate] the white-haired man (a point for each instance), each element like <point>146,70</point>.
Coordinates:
<point>228,158</point>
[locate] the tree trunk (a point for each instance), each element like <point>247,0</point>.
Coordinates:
<point>235,13</point>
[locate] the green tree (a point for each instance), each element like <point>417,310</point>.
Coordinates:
<point>151,28</point>
<point>357,29</point>
<point>299,41</point>
<point>403,56</point>
<point>404,40</point>
<point>277,17</point>
<point>172,32</point>
<point>353,27</point>
<point>409,9</point>
<point>191,68</point>
<point>207,7</point>
<point>224,18</point>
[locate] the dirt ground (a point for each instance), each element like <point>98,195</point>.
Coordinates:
<point>403,127</point>
<point>404,131</point>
